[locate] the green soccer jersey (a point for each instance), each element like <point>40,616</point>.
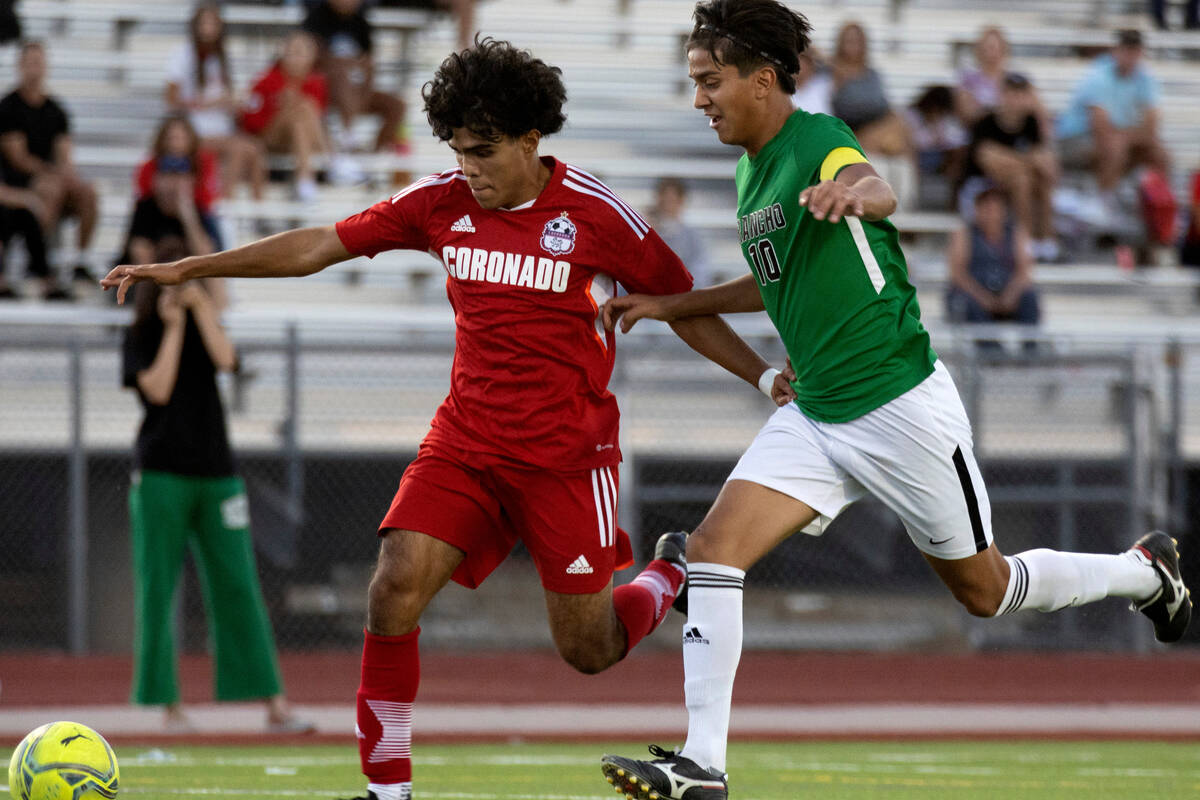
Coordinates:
<point>837,293</point>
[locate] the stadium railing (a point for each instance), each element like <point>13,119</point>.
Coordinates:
<point>333,401</point>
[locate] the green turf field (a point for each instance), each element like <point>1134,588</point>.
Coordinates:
<point>775,771</point>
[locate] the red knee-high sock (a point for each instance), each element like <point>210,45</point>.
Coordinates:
<point>391,671</point>
<point>642,604</point>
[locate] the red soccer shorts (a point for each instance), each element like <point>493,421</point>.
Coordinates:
<point>482,504</point>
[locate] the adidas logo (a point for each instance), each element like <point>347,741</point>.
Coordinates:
<point>580,566</point>
<point>692,636</point>
<point>464,225</point>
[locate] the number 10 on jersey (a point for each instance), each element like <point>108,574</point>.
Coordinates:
<point>764,261</point>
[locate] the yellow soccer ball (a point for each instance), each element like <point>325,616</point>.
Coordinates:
<point>63,761</point>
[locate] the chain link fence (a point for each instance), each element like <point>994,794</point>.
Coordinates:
<point>1081,448</point>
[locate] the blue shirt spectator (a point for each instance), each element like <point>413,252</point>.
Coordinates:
<point>1124,98</point>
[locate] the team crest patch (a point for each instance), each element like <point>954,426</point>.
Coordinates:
<point>558,237</point>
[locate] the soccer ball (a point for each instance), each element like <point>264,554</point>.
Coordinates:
<point>63,761</point>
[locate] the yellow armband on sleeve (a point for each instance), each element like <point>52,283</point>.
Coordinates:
<point>838,158</point>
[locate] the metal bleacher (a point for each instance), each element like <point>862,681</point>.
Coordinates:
<point>630,115</point>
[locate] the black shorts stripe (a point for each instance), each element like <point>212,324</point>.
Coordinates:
<point>964,478</point>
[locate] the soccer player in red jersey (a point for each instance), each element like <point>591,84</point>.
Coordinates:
<point>525,445</point>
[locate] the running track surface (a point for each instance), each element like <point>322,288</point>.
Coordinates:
<point>499,695</point>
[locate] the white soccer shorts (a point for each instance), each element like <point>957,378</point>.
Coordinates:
<point>913,453</point>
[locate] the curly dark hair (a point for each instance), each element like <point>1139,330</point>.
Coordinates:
<point>495,90</point>
<point>751,34</point>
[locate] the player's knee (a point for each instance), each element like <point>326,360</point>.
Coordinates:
<point>978,599</point>
<point>394,604</point>
<point>585,657</point>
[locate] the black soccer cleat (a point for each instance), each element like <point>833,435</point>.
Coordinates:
<point>368,796</point>
<point>672,548</point>
<point>669,776</point>
<point>1170,608</point>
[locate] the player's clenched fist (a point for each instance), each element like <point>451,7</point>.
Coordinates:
<point>782,392</point>
<point>126,275</point>
<point>832,200</point>
<point>632,307</point>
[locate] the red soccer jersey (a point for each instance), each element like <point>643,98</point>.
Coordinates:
<point>532,359</point>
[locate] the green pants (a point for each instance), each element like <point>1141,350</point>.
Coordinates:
<point>211,517</point>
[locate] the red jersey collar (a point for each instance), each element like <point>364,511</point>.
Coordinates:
<point>558,170</point>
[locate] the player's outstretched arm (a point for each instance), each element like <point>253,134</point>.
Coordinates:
<point>711,337</point>
<point>284,255</point>
<point>731,297</point>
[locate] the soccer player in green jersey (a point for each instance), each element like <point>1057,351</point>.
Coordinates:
<point>875,410</point>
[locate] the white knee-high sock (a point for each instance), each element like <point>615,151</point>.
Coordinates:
<point>712,647</point>
<point>1048,580</point>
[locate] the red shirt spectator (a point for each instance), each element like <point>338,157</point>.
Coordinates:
<point>264,98</point>
<point>208,180</point>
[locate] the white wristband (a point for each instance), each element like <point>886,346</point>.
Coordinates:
<point>766,381</point>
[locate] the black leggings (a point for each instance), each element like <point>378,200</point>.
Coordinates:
<point>22,221</point>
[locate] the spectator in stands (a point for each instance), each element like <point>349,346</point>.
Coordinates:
<point>463,11</point>
<point>1189,254</point>
<point>860,101</point>
<point>814,84</point>
<point>1008,149</point>
<point>347,60</point>
<point>1191,14</point>
<point>199,85</point>
<point>286,106</point>
<point>186,495</point>
<point>172,189</point>
<point>979,88</point>
<point>687,242</point>
<point>22,213</point>
<point>1111,122</point>
<point>859,98</point>
<point>178,150</point>
<point>940,142</point>
<point>991,268</point>
<point>35,153</point>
